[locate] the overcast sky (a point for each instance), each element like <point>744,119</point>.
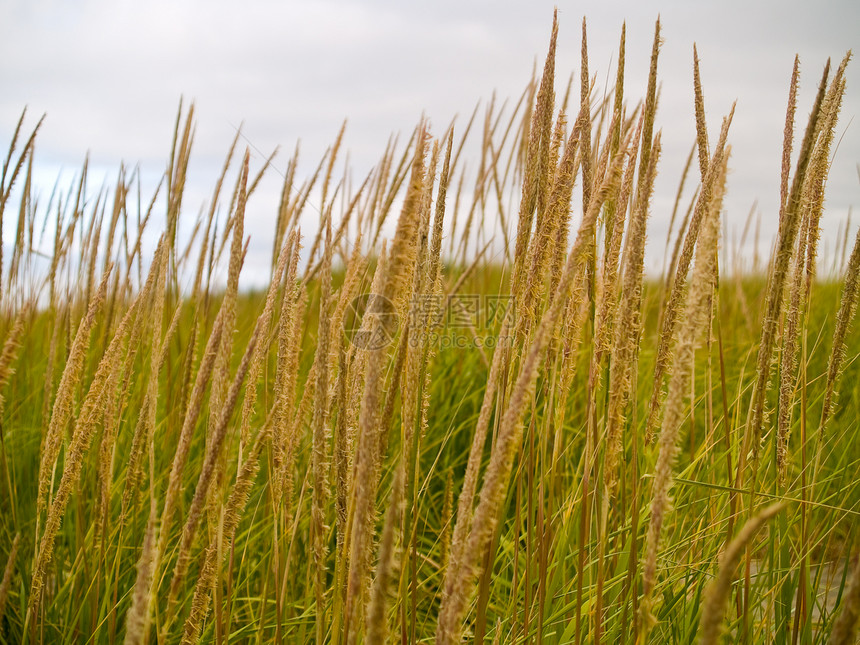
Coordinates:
<point>109,76</point>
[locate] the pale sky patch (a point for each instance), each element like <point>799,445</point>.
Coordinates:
<point>109,75</point>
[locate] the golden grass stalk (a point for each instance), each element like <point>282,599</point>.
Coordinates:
<point>461,573</point>
<point>668,273</point>
<point>339,363</point>
<point>608,297</point>
<point>320,440</point>
<point>701,126</point>
<point>7,178</point>
<point>115,398</point>
<point>417,356</point>
<point>302,417</point>
<point>48,389</point>
<point>439,216</point>
<point>446,522</point>
<point>422,313</point>
<point>399,265</point>
<point>356,266</point>
<point>650,113</point>
<point>221,374</point>
<point>146,420</point>
<point>85,427</point>
<point>282,222</point>
<point>812,202</point>
<point>549,241</point>
<point>618,106</point>
<point>569,341</point>
<point>634,249</point>
<point>63,403</point>
<point>326,214</point>
<point>430,282</point>
<point>6,186</point>
<point>790,347</point>
<point>286,372</point>
<point>338,241</point>
<point>19,246</point>
<point>538,149</point>
<point>220,379</point>
<point>10,351</point>
<point>788,139</point>
<point>138,616</point>
<point>805,254</point>
<point>380,204</point>
<point>803,200</point>
<point>262,348</point>
<point>410,380</point>
<point>303,195</point>
<point>397,370</point>
<point>789,226</point>
<point>584,121</point>
<point>680,268</point>
<point>378,217</point>
<point>805,258</point>
<point>665,356</point>
<point>466,499</point>
<point>717,591</point>
<point>479,192</point>
<point>558,139</point>
<point>266,164</point>
<point>287,426</point>
<point>813,190</point>
<point>694,322</point>
<point>207,473</point>
<point>341,470</point>
<point>628,324</point>
<point>135,252</point>
<point>210,217</point>
<point>420,276</point>
<point>180,456</point>
<point>377,620</point>
<point>177,171</point>
<point>90,247</point>
<point>233,512</point>
<point>847,309</point>
<point>164,348</point>
<point>8,570</point>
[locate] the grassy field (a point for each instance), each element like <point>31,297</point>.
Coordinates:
<point>402,440</point>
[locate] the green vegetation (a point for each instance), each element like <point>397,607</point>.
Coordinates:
<point>550,448</point>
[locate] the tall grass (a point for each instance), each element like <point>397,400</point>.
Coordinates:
<point>403,440</point>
